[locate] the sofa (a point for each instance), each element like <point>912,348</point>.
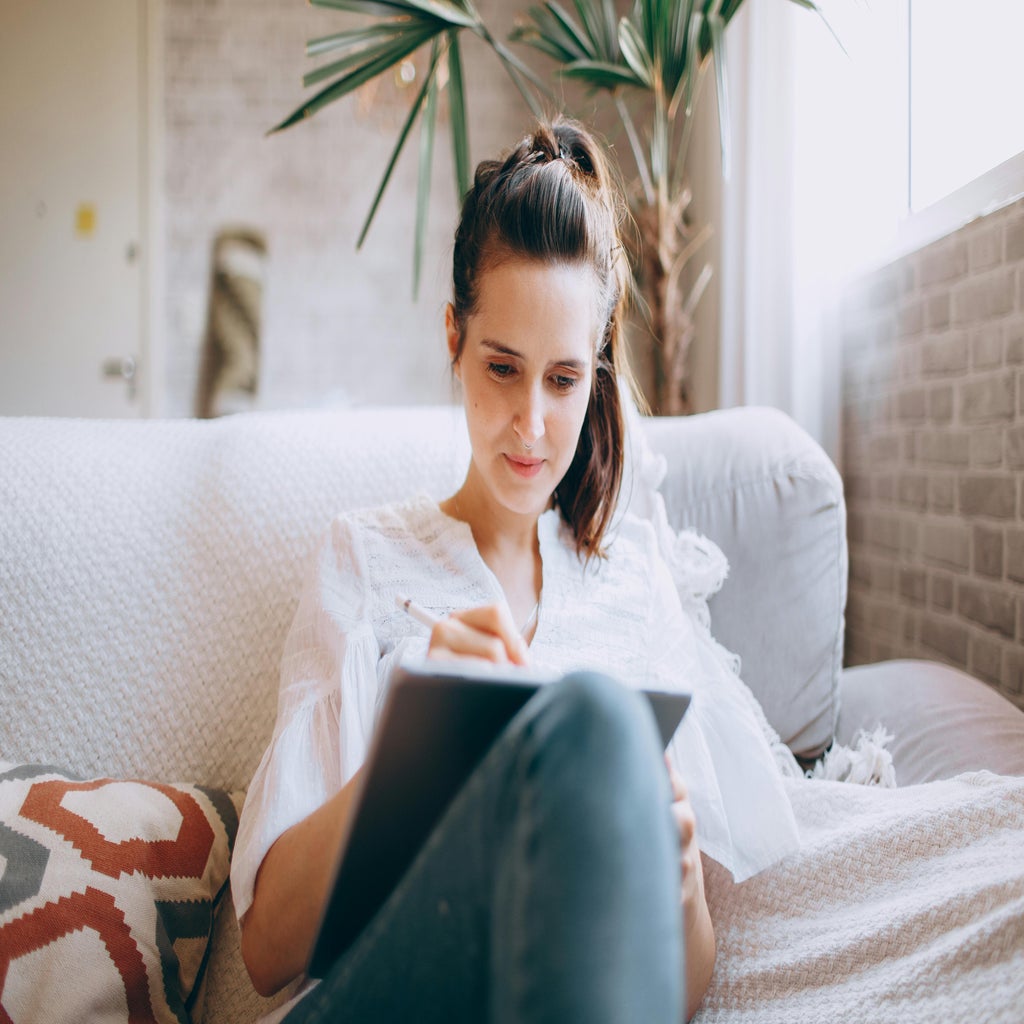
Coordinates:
<point>149,571</point>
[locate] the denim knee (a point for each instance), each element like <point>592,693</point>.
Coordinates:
<point>603,728</point>
<point>588,877</point>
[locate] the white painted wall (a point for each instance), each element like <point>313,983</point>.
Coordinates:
<point>338,325</point>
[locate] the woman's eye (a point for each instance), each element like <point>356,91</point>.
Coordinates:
<point>563,383</point>
<point>500,370</point>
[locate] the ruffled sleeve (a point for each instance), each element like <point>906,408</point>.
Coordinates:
<point>723,748</point>
<point>327,705</point>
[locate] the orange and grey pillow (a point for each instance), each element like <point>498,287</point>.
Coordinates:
<point>108,889</point>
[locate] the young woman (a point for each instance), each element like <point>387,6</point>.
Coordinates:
<point>562,882</point>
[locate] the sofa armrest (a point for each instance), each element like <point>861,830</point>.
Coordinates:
<point>761,488</point>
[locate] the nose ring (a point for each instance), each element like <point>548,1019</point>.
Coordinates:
<point>528,447</point>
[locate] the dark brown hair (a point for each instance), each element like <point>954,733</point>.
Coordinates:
<point>552,199</point>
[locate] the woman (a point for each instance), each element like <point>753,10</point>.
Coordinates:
<point>551,889</point>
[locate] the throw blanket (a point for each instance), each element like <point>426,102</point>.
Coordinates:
<point>904,905</point>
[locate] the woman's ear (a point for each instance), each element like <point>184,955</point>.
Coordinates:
<point>452,331</point>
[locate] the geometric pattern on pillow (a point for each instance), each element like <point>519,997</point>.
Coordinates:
<point>108,890</point>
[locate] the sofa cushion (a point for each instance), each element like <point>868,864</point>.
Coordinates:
<point>765,492</point>
<point>107,894</point>
<point>149,572</point>
<point>943,721</point>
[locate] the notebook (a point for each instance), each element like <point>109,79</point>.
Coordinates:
<point>437,722</point>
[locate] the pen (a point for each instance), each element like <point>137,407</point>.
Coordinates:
<point>410,607</point>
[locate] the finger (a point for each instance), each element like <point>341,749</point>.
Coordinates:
<point>675,780</point>
<point>457,638</point>
<point>690,885</point>
<point>441,654</point>
<point>489,617</point>
<point>686,823</point>
<point>495,619</point>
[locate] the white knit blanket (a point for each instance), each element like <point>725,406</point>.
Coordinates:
<point>904,905</point>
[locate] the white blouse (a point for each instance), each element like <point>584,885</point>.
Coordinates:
<point>621,615</point>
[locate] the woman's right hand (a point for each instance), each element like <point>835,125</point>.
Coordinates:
<point>486,632</point>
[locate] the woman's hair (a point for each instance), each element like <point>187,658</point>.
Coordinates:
<point>552,199</point>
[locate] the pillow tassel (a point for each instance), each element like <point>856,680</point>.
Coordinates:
<point>866,763</point>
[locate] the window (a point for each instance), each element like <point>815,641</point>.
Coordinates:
<point>966,80</point>
<point>965,138</point>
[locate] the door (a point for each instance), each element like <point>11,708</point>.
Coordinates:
<point>72,161</point>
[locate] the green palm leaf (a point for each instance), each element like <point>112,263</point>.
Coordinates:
<point>717,26</point>
<point>598,75</point>
<point>676,51</point>
<point>427,127</point>
<point>553,31</point>
<point>685,90</point>
<point>353,37</point>
<point>460,124</point>
<point>441,10</point>
<point>547,34</point>
<point>414,111</point>
<point>580,42</point>
<point>645,20</point>
<point>379,8</point>
<point>401,48</point>
<point>532,37</point>
<point>394,40</point>
<point>520,74</point>
<point>635,52</point>
<point>601,27</point>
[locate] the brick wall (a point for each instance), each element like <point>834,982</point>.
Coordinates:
<point>337,325</point>
<point>933,453</point>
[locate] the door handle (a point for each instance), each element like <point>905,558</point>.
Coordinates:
<point>124,367</point>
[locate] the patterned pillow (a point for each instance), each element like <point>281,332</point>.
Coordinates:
<point>107,895</point>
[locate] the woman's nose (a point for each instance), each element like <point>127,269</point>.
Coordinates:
<point>529,422</point>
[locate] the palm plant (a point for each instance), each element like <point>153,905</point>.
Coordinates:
<point>649,63</point>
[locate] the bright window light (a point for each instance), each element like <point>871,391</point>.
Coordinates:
<point>966,84</point>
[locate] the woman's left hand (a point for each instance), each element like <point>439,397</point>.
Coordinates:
<point>700,943</point>
<point>689,852</point>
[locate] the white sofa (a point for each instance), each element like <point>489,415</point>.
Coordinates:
<point>149,572</point>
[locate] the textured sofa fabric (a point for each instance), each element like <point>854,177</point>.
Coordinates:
<point>149,572</point>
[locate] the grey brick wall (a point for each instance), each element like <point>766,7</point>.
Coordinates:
<point>337,324</point>
<point>933,453</point>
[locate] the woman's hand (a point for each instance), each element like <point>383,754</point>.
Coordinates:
<point>689,853</point>
<point>487,632</point>
<point>700,933</point>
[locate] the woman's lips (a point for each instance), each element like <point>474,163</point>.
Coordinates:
<point>524,466</point>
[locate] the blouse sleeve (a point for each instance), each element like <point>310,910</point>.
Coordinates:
<point>330,662</point>
<point>722,749</point>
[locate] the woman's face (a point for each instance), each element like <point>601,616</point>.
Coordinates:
<point>526,369</point>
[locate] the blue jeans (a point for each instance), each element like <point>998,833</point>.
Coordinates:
<point>547,894</point>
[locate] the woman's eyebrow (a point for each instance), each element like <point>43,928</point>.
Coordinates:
<point>504,350</point>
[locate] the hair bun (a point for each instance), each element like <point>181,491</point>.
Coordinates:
<point>543,145</point>
<point>560,141</point>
